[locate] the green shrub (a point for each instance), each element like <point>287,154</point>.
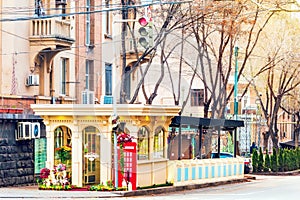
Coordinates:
<point>260,165</point>
<point>285,160</point>
<point>280,161</point>
<point>267,165</point>
<point>155,185</point>
<point>294,160</point>
<point>274,162</point>
<point>255,160</point>
<point>297,154</point>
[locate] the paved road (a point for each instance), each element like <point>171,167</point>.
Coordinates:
<point>263,188</point>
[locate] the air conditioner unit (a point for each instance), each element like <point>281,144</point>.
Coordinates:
<point>88,97</point>
<point>23,131</point>
<point>108,100</point>
<point>61,2</point>
<point>33,80</point>
<point>35,130</point>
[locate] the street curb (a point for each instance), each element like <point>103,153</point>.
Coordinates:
<point>288,173</point>
<point>170,189</point>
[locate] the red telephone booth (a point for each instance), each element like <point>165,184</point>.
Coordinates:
<point>129,154</point>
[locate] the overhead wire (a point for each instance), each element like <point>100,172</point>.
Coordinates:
<point>79,46</point>
<point>70,14</point>
<point>24,18</point>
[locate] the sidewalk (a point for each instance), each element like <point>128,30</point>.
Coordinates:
<point>33,192</point>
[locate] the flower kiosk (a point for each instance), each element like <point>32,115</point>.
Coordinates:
<point>81,146</point>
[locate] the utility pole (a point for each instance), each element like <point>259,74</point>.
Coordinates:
<point>124,59</point>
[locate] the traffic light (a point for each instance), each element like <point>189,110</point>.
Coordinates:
<point>146,32</point>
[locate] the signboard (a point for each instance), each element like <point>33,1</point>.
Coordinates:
<point>127,164</point>
<point>40,154</point>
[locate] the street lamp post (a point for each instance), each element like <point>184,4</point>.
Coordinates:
<point>236,49</point>
<point>235,95</point>
<point>258,119</point>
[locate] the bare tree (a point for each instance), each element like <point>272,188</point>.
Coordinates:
<point>279,74</point>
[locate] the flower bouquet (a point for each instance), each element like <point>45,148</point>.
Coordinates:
<point>64,153</point>
<point>55,179</point>
<point>124,138</point>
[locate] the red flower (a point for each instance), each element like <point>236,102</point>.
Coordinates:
<point>45,172</point>
<point>124,138</point>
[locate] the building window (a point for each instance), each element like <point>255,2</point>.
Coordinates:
<point>61,7</point>
<point>64,76</point>
<point>143,144</point>
<point>88,23</point>
<point>127,82</point>
<point>89,75</point>
<point>159,143</point>
<point>107,18</point>
<point>62,145</point>
<point>108,79</point>
<point>197,97</point>
<point>39,9</point>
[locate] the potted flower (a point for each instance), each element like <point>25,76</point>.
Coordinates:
<point>64,153</point>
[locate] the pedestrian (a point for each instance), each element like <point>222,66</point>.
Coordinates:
<point>253,146</point>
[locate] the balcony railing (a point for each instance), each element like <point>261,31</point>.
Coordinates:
<point>50,28</point>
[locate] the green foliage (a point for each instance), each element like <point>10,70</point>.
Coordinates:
<point>285,160</point>
<point>260,165</point>
<point>280,161</point>
<point>108,187</point>
<point>267,164</point>
<point>56,187</point>
<point>293,159</point>
<point>289,160</point>
<point>156,185</point>
<point>255,160</point>
<point>63,153</point>
<point>274,161</point>
<point>297,154</point>
<point>229,147</point>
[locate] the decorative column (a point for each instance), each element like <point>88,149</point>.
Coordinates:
<point>105,158</point>
<point>76,156</point>
<point>50,145</point>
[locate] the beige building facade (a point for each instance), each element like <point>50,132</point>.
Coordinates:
<point>87,129</point>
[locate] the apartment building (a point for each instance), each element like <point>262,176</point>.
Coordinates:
<point>50,54</point>
<point>57,56</point>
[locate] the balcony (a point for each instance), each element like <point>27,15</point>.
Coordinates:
<point>50,33</point>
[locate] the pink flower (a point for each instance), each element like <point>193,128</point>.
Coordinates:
<point>60,167</point>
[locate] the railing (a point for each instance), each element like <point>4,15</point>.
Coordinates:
<point>50,28</point>
<point>184,172</point>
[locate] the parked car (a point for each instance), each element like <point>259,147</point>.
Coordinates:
<point>222,155</point>
<point>247,160</point>
<point>248,163</point>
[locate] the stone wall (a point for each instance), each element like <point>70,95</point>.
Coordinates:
<point>16,157</point>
